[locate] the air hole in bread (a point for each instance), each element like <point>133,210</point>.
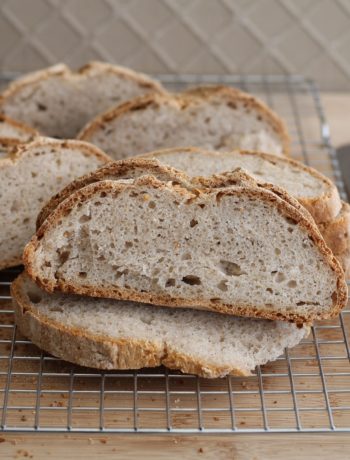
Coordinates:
<point>269,290</point>
<point>82,274</point>
<point>26,220</point>
<point>186,256</point>
<point>34,297</point>
<point>292,284</point>
<point>103,194</point>
<point>34,174</point>
<point>84,218</point>
<point>192,280</point>
<point>223,285</point>
<point>146,320</point>
<point>63,255</point>
<point>41,107</point>
<point>193,223</point>
<point>277,251</point>
<point>280,277</point>
<point>231,268</point>
<point>128,244</point>
<point>170,282</point>
<point>97,203</point>
<point>152,204</point>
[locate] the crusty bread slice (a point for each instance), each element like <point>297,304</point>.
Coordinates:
<point>312,189</point>
<point>109,334</point>
<point>123,169</point>
<point>58,102</point>
<point>12,132</point>
<point>244,250</point>
<point>29,174</point>
<point>336,233</point>
<point>218,118</point>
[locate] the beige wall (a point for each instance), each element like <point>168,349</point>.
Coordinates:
<point>310,37</point>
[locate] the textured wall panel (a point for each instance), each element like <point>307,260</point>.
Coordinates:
<point>310,37</point>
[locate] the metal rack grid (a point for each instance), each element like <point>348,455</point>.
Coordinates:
<point>307,389</point>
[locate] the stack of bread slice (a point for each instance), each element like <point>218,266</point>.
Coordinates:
<point>137,232</point>
<point>206,261</point>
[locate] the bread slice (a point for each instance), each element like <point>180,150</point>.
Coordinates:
<point>109,334</point>
<point>12,132</point>
<point>218,118</point>
<point>29,175</point>
<point>244,250</point>
<point>58,101</point>
<point>336,233</point>
<point>312,189</point>
<point>123,169</point>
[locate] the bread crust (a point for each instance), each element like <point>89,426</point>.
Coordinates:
<point>336,233</point>
<point>323,208</point>
<point>89,69</point>
<point>86,349</point>
<point>118,170</point>
<point>9,141</point>
<point>19,151</point>
<point>192,96</point>
<point>269,196</point>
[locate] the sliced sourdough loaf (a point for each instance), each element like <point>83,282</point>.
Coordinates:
<point>108,334</point>
<point>29,174</point>
<point>12,132</point>
<point>58,102</point>
<point>245,250</point>
<point>312,189</point>
<point>218,118</point>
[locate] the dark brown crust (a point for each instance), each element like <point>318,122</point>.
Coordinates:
<point>323,208</point>
<point>77,346</point>
<point>286,208</point>
<point>61,70</point>
<point>19,151</point>
<point>192,96</point>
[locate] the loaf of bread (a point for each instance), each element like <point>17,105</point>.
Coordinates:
<point>217,118</point>
<point>58,102</point>
<point>110,334</point>
<point>30,174</point>
<point>247,249</point>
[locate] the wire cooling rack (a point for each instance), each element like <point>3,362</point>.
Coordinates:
<point>306,389</point>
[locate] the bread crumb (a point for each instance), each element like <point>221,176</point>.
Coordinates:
<point>2,439</point>
<point>200,450</point>
<point>23,418</point>
<point>177,400</point>
<point>242,423</point>
<point>103,441</point>
<point>216,419</point>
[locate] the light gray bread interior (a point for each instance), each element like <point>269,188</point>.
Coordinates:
<point>110,334</point>
<point>59,102</point>
<point>240,250</point>
<point>29,175</point>
<point>314,191</point>
<point>12,131</point>
<point>218,119</point>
